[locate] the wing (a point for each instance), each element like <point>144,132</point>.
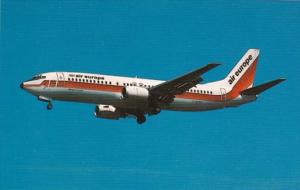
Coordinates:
<point>166,91</point>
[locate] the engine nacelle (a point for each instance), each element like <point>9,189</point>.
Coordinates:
<point>107,112</point>
<point>135,92</point>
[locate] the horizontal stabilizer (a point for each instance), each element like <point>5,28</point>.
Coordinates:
<point>260,88</point>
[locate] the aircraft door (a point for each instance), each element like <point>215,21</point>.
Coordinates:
<point>223,95</point>
<point>60,79</point>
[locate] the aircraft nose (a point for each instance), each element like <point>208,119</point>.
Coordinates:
<point>22,85</point>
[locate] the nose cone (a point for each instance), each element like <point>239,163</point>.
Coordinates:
<point>22,85</point>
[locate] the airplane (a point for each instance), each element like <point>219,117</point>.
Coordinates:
<point>120,97</point>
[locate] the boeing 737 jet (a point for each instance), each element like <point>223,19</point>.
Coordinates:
<point>119,97</point>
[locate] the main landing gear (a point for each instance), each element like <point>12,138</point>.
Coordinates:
<point>49,106</point>
<point>140,118</point>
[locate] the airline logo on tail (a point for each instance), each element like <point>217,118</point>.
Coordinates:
<point>244,70</point>
<point>240,69</point>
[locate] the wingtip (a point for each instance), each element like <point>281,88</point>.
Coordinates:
<point>281,79</point>
<point>214,64</point>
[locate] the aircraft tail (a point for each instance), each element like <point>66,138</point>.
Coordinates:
<point>242,75</point>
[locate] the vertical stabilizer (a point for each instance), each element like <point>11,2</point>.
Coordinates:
<point>242,75</point>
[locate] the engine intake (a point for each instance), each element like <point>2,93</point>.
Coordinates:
<point>135,92</point>
<point>107,112</point>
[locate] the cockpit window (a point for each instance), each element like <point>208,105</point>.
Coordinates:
<point>37,77</point>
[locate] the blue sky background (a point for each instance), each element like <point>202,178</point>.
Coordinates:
<point>255,146</point>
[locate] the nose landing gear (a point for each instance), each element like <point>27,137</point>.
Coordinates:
<point>45,99</point>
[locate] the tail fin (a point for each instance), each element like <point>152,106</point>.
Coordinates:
<point>260,88</point>
<point>242,75</point>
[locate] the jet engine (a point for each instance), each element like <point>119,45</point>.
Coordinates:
<point>136,93</point>
<point>107,112</point>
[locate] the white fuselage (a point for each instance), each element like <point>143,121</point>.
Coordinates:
<point>105,89</point>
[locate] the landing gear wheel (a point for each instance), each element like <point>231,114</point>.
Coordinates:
<point>140,119</point>
<point>155,111</point>
<point>49,106</point>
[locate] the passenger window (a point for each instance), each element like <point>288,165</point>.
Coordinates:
<point>109,82</point>
<point>52,83</point>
